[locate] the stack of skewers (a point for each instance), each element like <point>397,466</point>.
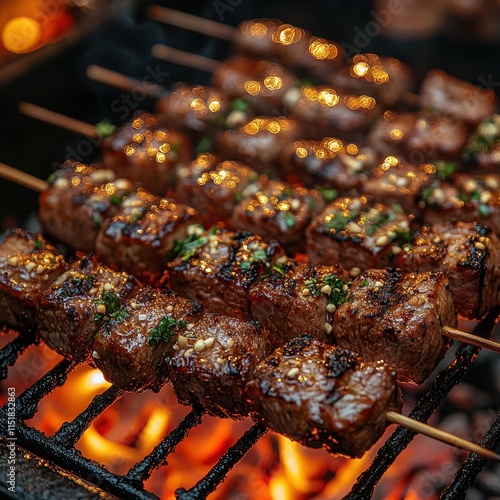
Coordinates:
<point>252,294</point>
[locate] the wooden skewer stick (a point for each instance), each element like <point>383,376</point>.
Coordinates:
<point>440,435</point>
<point>115,79</point>
<point>62,121</point>
<point>48,116</point>
<point>190,22</point>
<point>184,58</point>
<point>22,178</point>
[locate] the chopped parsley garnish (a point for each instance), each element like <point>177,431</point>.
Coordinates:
<point>289,219</point>
<point>484,210</point>
<point>397,208</point>
<point>96,219</point>
<point>204,145</point>
<point>401,235</point>
<point>364,283</point>
<point>259,254</point>
<point>38,243</point>
<point>378,219</point>
<point>239,105</point>
<point>445,169</point>
<point>105,129</point>
<point>339,221</point>
<point>53,177</point>
<point>163,331</point>
<point>329,194</point>
<point>313,287</point>
<point>338,294</point>
<point>111,302</point>
<point>117,199</point>
<point>186,248</point>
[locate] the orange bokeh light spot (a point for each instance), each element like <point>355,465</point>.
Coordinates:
<point>21,35</point>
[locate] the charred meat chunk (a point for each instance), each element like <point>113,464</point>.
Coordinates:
<point>483,146</point>
<point>194,109</point>
<point>131,349</point>
<point>218,268</point>
<point>419,137</point>
<point>308,55</point>
<point>259,141</point>
<point>463,101</point>
<point>323,396</point>
<point>358,232</point>
<point>328,111</point>
<point>77,202</point>
<point>142,245</point>
<point>75,306</point>
<point>464,197</point>
<point>468,253</point>
<point>329,163</point>
<point>214,193</point>
<point>396,182</point>
<point>385,78</point>
<point>261,83</point>
<point>146,151</point>
<point>294,299</point>
<point>280,211</point>
<point>28,265</point>
<point>212,361</point>
<point>398,317</point>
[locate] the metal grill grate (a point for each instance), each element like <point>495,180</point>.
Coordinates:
<point>60,448</point>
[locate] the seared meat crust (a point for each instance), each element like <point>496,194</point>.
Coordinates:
<point>324,396</point>
<point>398,317</point>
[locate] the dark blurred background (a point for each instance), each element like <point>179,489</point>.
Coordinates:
<point>461,37</point>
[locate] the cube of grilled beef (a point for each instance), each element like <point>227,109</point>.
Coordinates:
<point>194,109</point>
<point>215,192</point>
<point>398,317</point>
<point>396,182</point>
<point>77,202</point>
<point>419,137</point>
<point>446,94</point>
<point>147,152</point>
<point>465,197</point>
<point>328,111</point>
<point>261,83</point>
<point>260,141</point>
<point>278,210</point>
<point>212,362</point>
<point>28,265</point>
<point>483,147</point>
<point>468,253</point>
<point>358,233</point>
<point>323,396</point>
<point>218,268</point>
<point>130,349</point>
<point>329,163</point>
<point>299,298</point>
<point>385,78</point>
<point>74,307</point>
<point>309,56</point>
<point>142,245</point>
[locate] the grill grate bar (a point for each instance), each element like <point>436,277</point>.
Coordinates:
<point>72,461</point>
<point>472,466</point>
<point>401,438</point>
<point>158,457</point>
<point>219,471</point>
<point>71,432</point>
<point>27,402</point>
<point>9,354</point>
